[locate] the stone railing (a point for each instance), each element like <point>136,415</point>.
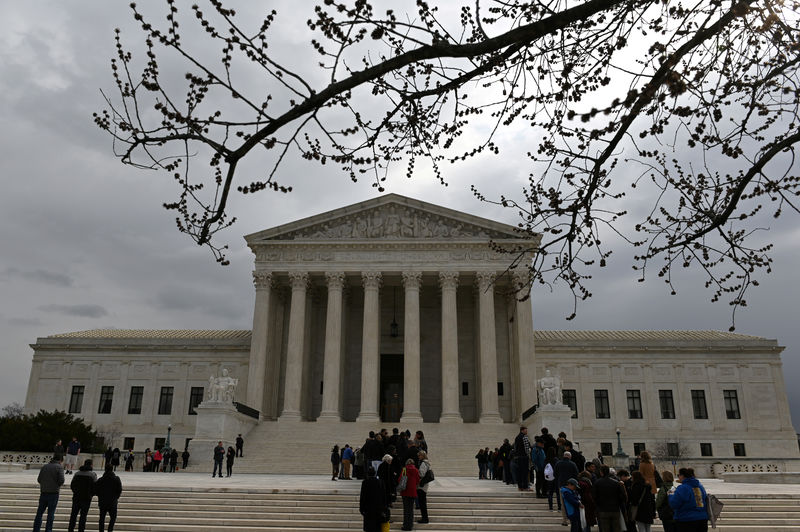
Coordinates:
<point>717,467</point>
<point>38,459</point>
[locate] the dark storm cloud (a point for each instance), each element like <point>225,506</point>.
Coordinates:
<point>83,311</point>
<point>40,276</point>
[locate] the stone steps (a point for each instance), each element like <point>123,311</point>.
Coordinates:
<point>209,508</point>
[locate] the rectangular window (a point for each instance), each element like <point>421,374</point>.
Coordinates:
<point>464,388</point>
<point>128,444</point>
<point>667,404</point>
<point>731,404</point>
<point>638,448</point>
<point>601,408</point>
<point>106,396</point>
<point>570,398</point>
<point>76,400</point>
<point>499,388</point>
<point>673,449</point>
<point>135,403</point>
<point>699,404</point>
<point>159,443</point>
<point>705,449</point>
<point>165,401</point>
<point>738,449</point>
<point>606,449</point>
<point>634,404</point>
<point>195,398</point>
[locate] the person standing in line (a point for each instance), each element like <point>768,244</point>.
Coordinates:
<point>219,456</point>
<point>50,479</point>
<point>663,508</point>
<point>372,503</point>
<point>108,489</point>
<point>689,503</point>
<point>229,461</point>
<point>538,458</point>
<point>157,457</point>
<point>422,487</point>
<point>572,504</point>
<point>347,459</point>
<point>82,486</point>
<point>173,460</point>
<point>648,471</point>
<point>115,455</point>
<point>185,458</point>
<point>644,501</point>
<point>239,446</point>
<point>609,496</point>
<point>129,460</point>
<point>564,470</point>
<point>481,457</point>
<point>409,494</point>
<point>148,460</point>
<point>73,451</point>
<point>335,457</point>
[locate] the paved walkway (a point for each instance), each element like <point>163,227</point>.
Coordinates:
<point>314,483</point>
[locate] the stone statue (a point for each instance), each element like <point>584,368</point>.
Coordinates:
<point>550,388</point>
<point>220,389</point>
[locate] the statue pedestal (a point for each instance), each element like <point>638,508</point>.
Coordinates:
<point>557,418</point>
<point>216,421</point>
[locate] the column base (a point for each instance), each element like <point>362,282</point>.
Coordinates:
<point>451,418</point>
<point>371,417</point>
<point>290,416</point>
<point>330,417</point>
<point>491,419</point>
<point>411,417</point>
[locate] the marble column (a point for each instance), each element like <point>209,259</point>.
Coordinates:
<point>370,346</point>
<point>489,406</point>
<point>526,351</point>
<point>450,408</point>
<point>256,373</point>
<point>293,387</point>
<point>331,372</point>
<point>411,351</point>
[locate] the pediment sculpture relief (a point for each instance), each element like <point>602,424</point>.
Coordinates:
<point>393,222</point>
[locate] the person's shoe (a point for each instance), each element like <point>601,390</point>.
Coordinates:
<point>422,521</point>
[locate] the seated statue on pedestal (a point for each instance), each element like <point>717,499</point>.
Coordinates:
<point>220,389</point>
<point>550,387</point>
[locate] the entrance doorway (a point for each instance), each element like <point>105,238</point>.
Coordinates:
<point>391,387</point>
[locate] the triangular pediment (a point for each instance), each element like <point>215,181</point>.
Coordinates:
<point>390,217</point>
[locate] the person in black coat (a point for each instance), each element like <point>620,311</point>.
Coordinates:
<point>228,460</point>
<point>372,503</point>
<point>388,477</point>
<point>173,460</point>
<point>82,487</point>
<point>643,499</point>
<point>108,489</point>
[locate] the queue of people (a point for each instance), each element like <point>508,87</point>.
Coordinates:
<point>391,467</point>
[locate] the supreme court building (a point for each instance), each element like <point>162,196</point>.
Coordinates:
<point>398,312</point>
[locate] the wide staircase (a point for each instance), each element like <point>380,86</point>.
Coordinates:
<point>221,509</point>
<point>282,447</point>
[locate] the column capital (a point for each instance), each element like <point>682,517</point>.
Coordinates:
<point>335,280</point>
<point>484,279</point>
<point>412,280</point>
<point>521,278</point>
<point>371,279</point>
<point>262,280</point>
<point>448,280</point>
<point>298,280</point>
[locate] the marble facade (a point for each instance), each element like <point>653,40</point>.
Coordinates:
<point>397,312</point>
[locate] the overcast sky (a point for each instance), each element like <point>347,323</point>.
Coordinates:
<point>86,243</point>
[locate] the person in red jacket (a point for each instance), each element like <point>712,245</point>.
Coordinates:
<point>409,494</point>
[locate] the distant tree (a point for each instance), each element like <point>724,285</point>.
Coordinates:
<point>669,450</point>
<point>39,432</point>
<point>684,115</point>
<point>13,410</point>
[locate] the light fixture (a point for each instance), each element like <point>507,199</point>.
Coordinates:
<point>394,329</point>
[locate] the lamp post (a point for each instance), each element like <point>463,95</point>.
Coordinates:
<point>620,458</point>
<point>619,443</point>
<point>169,430</point>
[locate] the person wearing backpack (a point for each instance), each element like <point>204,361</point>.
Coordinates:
<point>425,478</point>
<point>663,508</point>
<point>689,503</point>
<point>550,478</point>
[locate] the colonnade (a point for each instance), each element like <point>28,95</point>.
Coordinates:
<point>488,406</point>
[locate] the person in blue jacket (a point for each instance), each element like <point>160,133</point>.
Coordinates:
<point>572,504</point>
<point>537,460</point>
<point>689,503</point>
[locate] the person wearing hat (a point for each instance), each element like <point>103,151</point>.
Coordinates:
<point>572,504</point>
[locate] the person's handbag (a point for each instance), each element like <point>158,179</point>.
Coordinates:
<point>403,483</point>
<point>583,518</point>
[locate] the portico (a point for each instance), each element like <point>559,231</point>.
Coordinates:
<point>331,289</point>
